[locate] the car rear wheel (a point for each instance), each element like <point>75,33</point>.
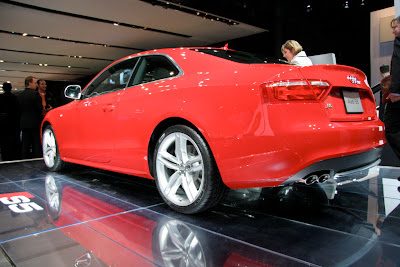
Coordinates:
<point>185,171</point>
<point>51,154</point>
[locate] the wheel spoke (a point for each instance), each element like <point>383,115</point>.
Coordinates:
<point>196,159</point>
<point>189,241</point>
<point>168,160</point>
<point>51,188</point>
<point>174,183</point>
<point>195,260</point>
<point>172,254</point>
<point>189,187</point>
<point>176,237</point>
<point>181,147</point>
<point>54,201</point>
<point>196,168</point>
<point>49,154</point>
<point>49,151</point>
<point>52,141</point>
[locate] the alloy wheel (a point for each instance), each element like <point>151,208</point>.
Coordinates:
<point>180,169</point>
<point>49,148</point>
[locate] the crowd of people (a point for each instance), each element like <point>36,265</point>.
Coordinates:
<point>21,116</point>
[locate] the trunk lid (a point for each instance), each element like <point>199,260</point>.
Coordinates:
<point>349,98</point>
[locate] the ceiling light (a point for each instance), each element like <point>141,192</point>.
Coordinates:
<point>116,24</point>
<point>24,34</point>
<point>309,8</point>
<point>181,8</point>
<point>1,60</point>
<point>346,4</point>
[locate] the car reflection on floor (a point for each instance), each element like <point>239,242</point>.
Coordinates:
<point>166,241</point>
<point>88,217</point>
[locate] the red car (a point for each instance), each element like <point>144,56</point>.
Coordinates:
<point>202,120</point>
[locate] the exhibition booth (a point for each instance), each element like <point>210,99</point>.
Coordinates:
<point>185,156</point>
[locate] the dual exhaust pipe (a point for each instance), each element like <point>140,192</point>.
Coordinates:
<point>316,179</point>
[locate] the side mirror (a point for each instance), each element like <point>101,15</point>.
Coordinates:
<point>73,91</point>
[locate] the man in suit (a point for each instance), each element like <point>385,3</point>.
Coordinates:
<point>30,108</point>
<point>9,124</point>
<point>392,111</point>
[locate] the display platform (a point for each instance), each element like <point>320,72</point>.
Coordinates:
<point>88,217</point>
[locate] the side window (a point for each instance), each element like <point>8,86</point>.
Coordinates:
<point>114,78</point>
<point>152,68</point>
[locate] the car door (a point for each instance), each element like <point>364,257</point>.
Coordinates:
<point>97,111</point>
<point>135,109</point>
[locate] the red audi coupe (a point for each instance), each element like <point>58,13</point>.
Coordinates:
<point>202,120</point>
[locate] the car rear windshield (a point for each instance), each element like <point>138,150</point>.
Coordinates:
<point>240,57</point>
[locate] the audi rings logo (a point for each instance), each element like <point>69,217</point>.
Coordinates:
<point>353,79</point>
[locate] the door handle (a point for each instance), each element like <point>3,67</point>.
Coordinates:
<point>108,108</point>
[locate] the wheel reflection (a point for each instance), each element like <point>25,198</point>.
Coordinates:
<point>179,245</point>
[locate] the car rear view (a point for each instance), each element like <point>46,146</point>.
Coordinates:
<point>319,121</point>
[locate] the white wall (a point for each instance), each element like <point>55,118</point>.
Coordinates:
<point>381,53</point>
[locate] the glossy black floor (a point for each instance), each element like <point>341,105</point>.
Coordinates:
<point>88,217</point>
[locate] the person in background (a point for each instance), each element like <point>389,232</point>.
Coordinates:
<point>392,109</point>
<point>30,108</point>
<point>48,100</point>
<point>9,125</point>
<point>385,84</point>
<point>294,53</point>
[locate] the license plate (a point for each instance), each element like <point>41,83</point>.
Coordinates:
<point>352,102</point>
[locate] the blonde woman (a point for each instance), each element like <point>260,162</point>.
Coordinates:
<point>294,53</point>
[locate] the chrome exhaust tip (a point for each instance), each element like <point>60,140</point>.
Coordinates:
<point>323,178</point>
<point>311,179</point>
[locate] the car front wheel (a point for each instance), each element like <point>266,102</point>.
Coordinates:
<point>51,154</point>
<point>185,171</point>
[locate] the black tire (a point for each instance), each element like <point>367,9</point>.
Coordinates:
<point>186,175</point>
<point>51,154</point>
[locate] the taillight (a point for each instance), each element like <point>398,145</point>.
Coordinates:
<point>295,90</point>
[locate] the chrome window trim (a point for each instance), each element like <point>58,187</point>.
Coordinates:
<point>168,57</point>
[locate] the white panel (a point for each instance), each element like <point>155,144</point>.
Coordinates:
<point>381,53</point>
<point>329,58</point>
<point>390,194</point>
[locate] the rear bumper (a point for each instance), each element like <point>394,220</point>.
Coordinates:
<point>340,165</point>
